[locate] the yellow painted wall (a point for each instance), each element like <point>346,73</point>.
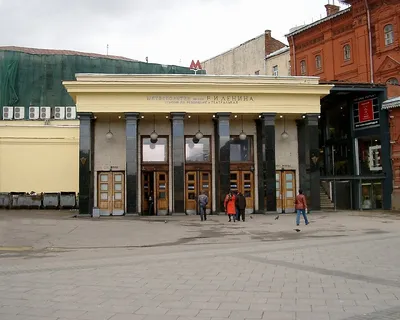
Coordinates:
<point>291,103</point>
<point>196,94</point>
<point>38,157</point>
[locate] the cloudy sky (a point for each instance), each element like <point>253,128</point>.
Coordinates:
<point>167,31</point>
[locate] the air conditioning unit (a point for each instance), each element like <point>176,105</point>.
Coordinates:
<point>59,113</point>
<point>19,113</point>
<point>45,113</point>
<point>70,113</point>
<point>33,113</point>
<point>8,113</point>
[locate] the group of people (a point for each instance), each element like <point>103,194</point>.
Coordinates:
<point>235,206</point>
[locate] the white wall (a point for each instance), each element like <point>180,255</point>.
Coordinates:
<point>245,59</point>
<point>281,60</point>
<point>286,151</point>
<point>109,153</point>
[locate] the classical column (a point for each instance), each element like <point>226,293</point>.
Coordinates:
<point>314,159</point>
<point>266,162</point>
<point>309,160</point>
<point>86,163</point>
<point>132,138</point>
<point>178,161</point>
<point>302,145</point>
<point>222,158</point>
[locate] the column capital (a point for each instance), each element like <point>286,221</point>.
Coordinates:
<point>222,115</point>
<point>268,118</point>
<point>85,115</point>
<point>177,115</point>
<point>132,115</point>
<point>268,115</point>
<point>312,119</point>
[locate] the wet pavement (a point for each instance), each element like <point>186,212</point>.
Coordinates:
<point>344,265</point>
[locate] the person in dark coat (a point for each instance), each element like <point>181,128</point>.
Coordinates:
<point>241,205</point>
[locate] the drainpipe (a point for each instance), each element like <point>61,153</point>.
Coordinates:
<point>371,62</point>
<point>265,65</point>
<point>294,56</point>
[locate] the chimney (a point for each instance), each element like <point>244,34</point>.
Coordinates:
<point>331,9</point>
<point>267,33</point>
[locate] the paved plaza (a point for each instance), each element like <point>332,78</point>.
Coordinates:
<point>344,265</point>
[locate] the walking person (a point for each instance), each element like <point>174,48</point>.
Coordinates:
<point>203,201</point>
<point>241,206</point>
<point>230,206</point>
<point>301,207</point>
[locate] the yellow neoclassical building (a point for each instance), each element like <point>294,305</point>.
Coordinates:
<point>150,144</point>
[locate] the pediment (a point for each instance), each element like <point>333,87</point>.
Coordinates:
<point>388,64</point>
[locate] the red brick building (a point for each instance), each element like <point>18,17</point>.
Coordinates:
<point>360,44</point>
<point>346,45</point>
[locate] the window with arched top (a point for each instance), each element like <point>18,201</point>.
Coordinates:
<point>347,52</point>
<point>389,35</point>
<point>393,81</point>
<point>303,67</point>
<point>318,62</point>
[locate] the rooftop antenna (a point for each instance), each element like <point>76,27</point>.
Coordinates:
<point>107,48</point>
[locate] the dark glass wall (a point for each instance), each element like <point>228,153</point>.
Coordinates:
<point>86,163</point>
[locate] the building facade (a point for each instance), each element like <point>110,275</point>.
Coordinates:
<point>358,46</point>
<point>245,59</point>
<point>168,138</point>
<point>278,63</point>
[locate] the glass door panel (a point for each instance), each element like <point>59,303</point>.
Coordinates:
<point>118,193</point>
<point>247,188</point>
<point>162,192</point>
<point>191,192</point>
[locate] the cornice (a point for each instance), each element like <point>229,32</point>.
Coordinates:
<point>195,79</point>
<point>75,88</point>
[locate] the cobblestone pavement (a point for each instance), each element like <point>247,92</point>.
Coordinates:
<point>342,266</point>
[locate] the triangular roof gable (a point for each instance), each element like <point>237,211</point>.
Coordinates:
<point>388,64</point>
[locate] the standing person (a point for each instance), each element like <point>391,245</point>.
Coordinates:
<point>230,206</point>
<point>203,201</point>
<point>151,203</point>
<point>301,207</point>
<point>236,204</point>
<point>241,205</point>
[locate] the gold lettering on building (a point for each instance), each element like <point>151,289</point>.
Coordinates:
<point>225,99</point>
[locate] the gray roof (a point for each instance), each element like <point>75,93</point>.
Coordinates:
<point>311,25</point>
<point>391,103</point>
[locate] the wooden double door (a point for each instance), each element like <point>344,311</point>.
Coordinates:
<point>243,181</point>
<point>111,193</point>
<point>195,183</point>
<point>155,193</point>
<point>285,191</point>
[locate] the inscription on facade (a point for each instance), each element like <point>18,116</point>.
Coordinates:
<point>234,99</point>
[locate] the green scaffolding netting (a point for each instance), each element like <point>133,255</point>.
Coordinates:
<point>36,79</point>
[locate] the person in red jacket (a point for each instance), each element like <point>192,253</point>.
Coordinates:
<point>230,206</point>
<point>301,207</point>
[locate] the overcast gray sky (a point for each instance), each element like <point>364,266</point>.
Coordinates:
<point>167,31</point>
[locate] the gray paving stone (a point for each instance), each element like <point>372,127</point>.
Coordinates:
<point>214,313</point>
<point>312,315</point>
<point>234,306</point>
<point>126,316</point>
<point>274,281</point>
<point>183,312</point>
<point>92,315</point>
<point>151,311</point>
